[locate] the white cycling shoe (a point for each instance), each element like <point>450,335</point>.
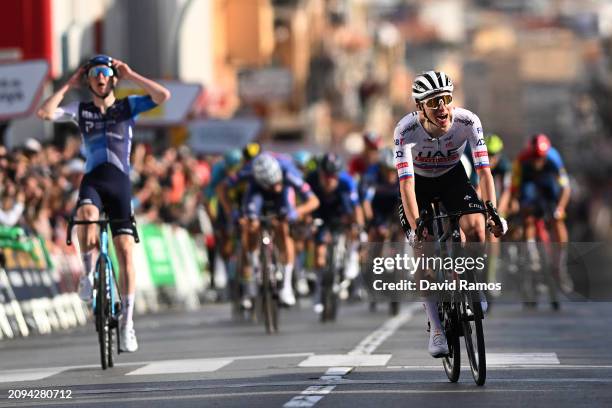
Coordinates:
<point>438,347</point>
<point>318,308</point>
<point>127,339</point>
<point>86,288</point>
<point>286,296</point>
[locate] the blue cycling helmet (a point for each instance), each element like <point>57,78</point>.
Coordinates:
<point>101,59</point>
<point>301,158</point>
<point>232,158</point>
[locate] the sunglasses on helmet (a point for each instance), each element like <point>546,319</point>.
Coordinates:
<point>105,71</point>
<point>435,101</point>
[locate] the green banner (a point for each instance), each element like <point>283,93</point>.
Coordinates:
<point>158,255</point>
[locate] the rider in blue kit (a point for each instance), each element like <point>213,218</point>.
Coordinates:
<point>106,125</point>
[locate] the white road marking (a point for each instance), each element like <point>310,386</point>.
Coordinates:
<point>342,364</point>
<point>201,365</point>
<point>509,359</point>
<point>28,374</point>
<point>360,360</point>
<point>369,344</point>
<point>303,401</point>
<point>34,374</point>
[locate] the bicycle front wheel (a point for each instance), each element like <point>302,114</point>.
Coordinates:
<point>269,303</point>
<point>102,314</point>
<point>452,328</point>
<point>474,337</point>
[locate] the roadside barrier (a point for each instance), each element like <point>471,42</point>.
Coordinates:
<point>38,280</point>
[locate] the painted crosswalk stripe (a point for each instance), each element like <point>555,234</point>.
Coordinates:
<point>203,365</point>
<point>509,359</point>
<point>28,374</point>
<point>326,360</point>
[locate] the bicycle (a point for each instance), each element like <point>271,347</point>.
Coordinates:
<point>268,297</point>
<point>332,275</point>
<point>106,302</point>
<point>461,313</point>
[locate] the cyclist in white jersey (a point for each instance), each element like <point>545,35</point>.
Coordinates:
<point>428,148</point>
<point>106,125</point>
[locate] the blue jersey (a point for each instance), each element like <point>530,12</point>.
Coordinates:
<point>219,173</point>
<point>341,201</point>
<point>378,190</point>
<point>107,137</point>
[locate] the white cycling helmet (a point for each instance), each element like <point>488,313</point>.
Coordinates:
<point>430,83</point>
<point>267,170</point>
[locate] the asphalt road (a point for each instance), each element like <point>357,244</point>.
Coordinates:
<point>536,358</point>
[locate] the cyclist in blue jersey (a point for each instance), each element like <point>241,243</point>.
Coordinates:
<point>106,125</point>
<point>272,183</point>
<point>224,226</point>
<point>381,196</point>
<point>339,198</point>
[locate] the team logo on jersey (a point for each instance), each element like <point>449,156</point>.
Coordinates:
<point>467,197</point>
<point>409,128</point>
<point>466,122</point>
<point>399,154</point>
<point>402,165</point>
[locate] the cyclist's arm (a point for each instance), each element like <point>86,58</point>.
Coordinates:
<point>562,179</point>
<point>310,202</point>
<point>157,92</point>
<point>308,206</point>
<point>369,194</point>
<point>47,110</point>
<point>408,194</point>
<point>405,171</point>
<point>224,201</point>
<point>487,186</point>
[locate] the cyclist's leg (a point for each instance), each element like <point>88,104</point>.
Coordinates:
<point>426,189</point>
<point>253,205</point>
<point>286,205</point>
<point>115,190</point>
<point>88,208</point>
<point>321,240</point>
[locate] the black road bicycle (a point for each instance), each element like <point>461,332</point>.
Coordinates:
<point>460,310</point>
<point>106,301</point>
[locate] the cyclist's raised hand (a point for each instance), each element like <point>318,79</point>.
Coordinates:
<point>124,70</point>
<point>75,79</point>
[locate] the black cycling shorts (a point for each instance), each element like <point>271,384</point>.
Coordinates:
<point>453,189</point>
<point>109,189</point>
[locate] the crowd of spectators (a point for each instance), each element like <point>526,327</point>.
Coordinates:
<point>39,186</point>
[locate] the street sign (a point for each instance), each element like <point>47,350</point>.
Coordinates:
<point>21,87</point>
<point>174,111</point>
<point>265,84</point>
<point>218,136</point>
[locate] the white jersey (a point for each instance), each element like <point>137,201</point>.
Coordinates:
<point>417,152</point>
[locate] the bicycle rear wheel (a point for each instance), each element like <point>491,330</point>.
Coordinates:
<point>471,317</point>
<point>102,313</point>
<point>450,322</point>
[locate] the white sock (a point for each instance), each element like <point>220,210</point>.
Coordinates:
<point>354,247</point>
<point>88,262</point>
<point>287,279</point>
<point>431,308</point>
<point>128,310</point>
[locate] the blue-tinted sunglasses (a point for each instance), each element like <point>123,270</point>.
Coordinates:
<point>95,71</point>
